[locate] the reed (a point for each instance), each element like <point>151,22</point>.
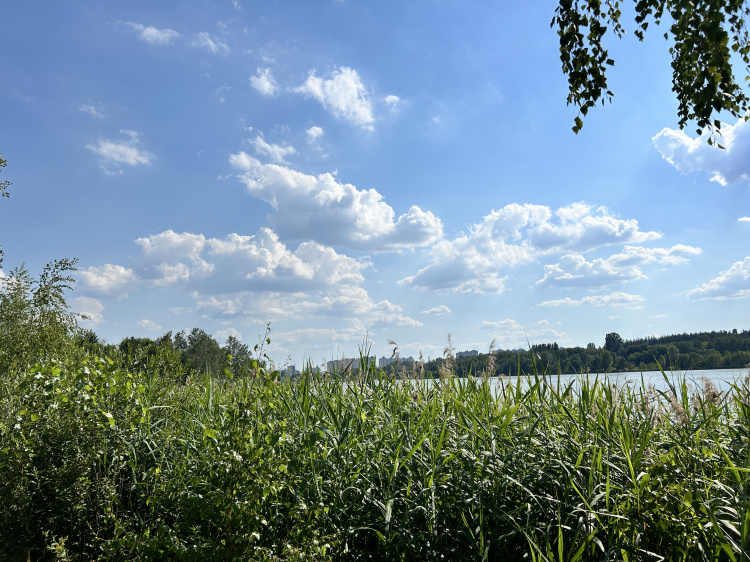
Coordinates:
<point>99,462</point>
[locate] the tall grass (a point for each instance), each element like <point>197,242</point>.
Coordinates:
<point>98,462</point>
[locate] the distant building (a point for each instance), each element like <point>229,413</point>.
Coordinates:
<point>471,353</point>
<point>346,364</point>
<point>385,361</point>
<point>290,370</point>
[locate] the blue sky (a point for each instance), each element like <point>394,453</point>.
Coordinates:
<point>389,170</point>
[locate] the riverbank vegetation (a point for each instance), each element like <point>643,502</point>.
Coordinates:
<point>135,454</point>
<point>680,352</point>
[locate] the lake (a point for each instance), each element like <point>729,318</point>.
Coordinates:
<point>722,378</point>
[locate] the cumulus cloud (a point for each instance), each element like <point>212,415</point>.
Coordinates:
<point>254,277</point>
<point>620,300</point>
<point>744,219</point>
<point>203,40</point>
<point>108,280</point>
<point>518,234</point>
<point>510,334</point>
<point>241,263</point>
<point>354,301</point>
<point>273,151</point>
<point>573,270</point>
<point>114,153</point>
<point>442,309</point>
<point>264,83</point>
<point>333,213</point>
<point>313,134</point>
<point>734,283</point>
<point>92,111</point>
<point>91,310</point>
<point>149,325</point>
<point>689,155</point>
<point>169,257</point>
<point>152,35</point>
<point>342,94</point>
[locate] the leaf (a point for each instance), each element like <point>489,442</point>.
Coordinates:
<point>110,418</point>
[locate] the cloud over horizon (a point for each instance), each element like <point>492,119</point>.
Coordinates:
<point>573,270</point>
<point>734,283</point>
<point>333,213</point>
<point>515,235</point>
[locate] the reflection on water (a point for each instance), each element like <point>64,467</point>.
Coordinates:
<point>722,378</point>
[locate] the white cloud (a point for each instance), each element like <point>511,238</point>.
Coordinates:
<point>146,324</point>
<point>109,280</point>
<point>169,258</point>
<point>127,152</point>
<point>313,134</point>
<point>343,94</point>
<point>582,229</point>
<point>574,271</point>
<point>510,334</point>
<point>734,283</point>
<point>89,307</point>
<point>203,40</point>
<point>333,213</point>
<point>442,309</point>
<point>273,151</point>
<point>263,82</point>
<point>153,35</point>
<point>689,155</point>
<point>620,300</point>
<point>92,111</point>
<point>744,219</point>
<point>223,335</point>
<point>392,101</point>
<point>239,263</point>
<point>517,234</point>
<point>351,301</point>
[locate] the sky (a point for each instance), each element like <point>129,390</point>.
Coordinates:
<point>356,172</point>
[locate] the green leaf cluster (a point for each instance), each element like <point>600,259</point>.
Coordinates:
<point>708,38</point>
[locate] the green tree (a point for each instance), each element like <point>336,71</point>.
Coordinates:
<point>613,342</point>
<point>203,353</point>
<point>705,37</point>
<point>240,352</point>
<point>35,321</point>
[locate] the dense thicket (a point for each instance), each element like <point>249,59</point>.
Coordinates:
<point>102,462</point>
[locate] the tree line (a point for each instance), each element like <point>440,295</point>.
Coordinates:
<point>683,352</point>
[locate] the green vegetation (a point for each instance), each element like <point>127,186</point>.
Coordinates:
<point>108,462</point>
<point>681,352</point>
<point>708,39</point>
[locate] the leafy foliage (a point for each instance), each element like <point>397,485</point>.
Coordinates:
<point>102,462</point>
<point>706,35</point>
<point>35,321</point>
